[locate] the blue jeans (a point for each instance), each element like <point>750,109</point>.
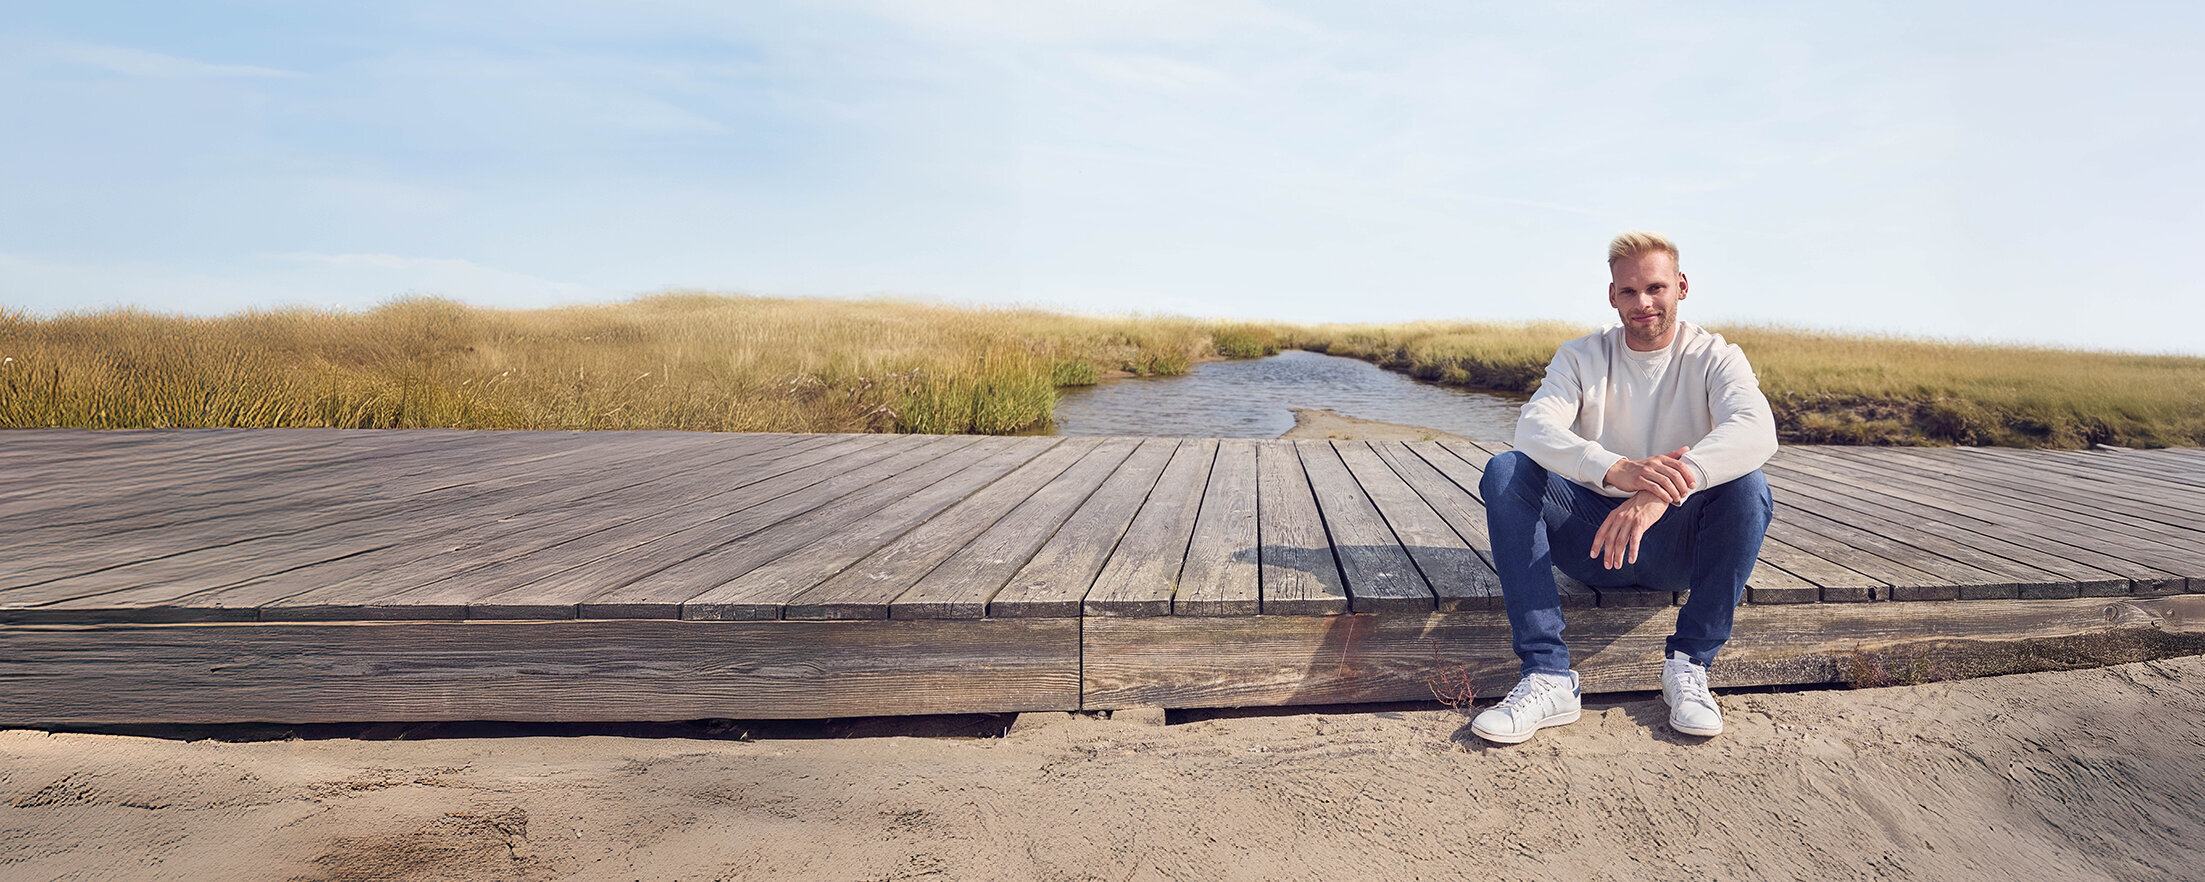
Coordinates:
<point>1538,521</point>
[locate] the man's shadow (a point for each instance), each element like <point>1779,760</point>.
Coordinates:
<point>1396,646</point>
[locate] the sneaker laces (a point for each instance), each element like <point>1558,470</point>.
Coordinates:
<point>1531,686</point>
<point>1692,684</point>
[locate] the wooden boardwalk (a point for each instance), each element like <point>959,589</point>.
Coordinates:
<point>304,575</point>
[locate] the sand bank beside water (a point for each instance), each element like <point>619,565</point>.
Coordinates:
<point>2080,774</point>
<point>1318,423</point>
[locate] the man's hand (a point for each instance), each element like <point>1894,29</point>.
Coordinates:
<point>1617,541</point>
<point>1665,476</point>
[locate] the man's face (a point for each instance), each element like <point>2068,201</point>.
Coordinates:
<point>1644,290</point>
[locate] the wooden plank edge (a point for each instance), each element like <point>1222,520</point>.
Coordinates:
<point>1290,660</point>
<point>532,671</point>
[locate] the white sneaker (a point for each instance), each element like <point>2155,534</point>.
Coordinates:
<point>1538,701</point>
<point>1692,709</point>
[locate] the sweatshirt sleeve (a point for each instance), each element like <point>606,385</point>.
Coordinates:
<point>1545,429</point>
<point>1743,436</point>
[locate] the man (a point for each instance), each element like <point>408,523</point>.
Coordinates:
<point>1636,463</point>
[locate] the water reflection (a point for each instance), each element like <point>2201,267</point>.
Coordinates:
<point>1250,399</point>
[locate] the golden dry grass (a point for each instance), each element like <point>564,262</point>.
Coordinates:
<point>673,361</point>
<point>730,363</point>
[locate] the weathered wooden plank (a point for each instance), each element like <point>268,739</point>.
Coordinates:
<point>161,548</point>
<point>1837,584</point>
<point>426,534</point>
<point>2132,464</point>
<point>1380,575</point>
<point>663,592</point>
<point>545,520</point>
<point>552,671</point>
<point>2173,504</point>
<point>1990,476</point>
<point>1922,515</point>
<point>1458,582</point>
<point>1142,574</point>
<point>1222,575</point>
<point>1773,584</point>
<point>1488,446</point>
<point>190,457</point>
<point>1300,575</point>
<point>514,587</point>
<point>1459,576</point>
<point>2119,471</point>
<point>2081,539</point>
<point>563,586</point>
<point>1186,661</point>
<point>764,590</point>
<point>130,493</point>
<point>150,496</point>
<point>2158,544</point>
<point>1893,578</point>
<point>1937,578</point>
<point>864,590</point>
<point>1055,580</point>
<point>1891,522</point>
<point>185,587</point>
<point>961,586</point>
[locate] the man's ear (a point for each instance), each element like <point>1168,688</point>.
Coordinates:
<point>1683,286</point>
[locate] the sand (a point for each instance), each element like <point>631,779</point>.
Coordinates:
<point>2071,775</point>
<point>1324,424</point>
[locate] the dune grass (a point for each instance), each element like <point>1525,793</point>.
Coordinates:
<point>1831,388</point>
<point>673,361</point>
<point>730,363</point>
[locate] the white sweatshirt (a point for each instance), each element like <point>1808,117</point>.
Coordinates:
<point>1603,402</point>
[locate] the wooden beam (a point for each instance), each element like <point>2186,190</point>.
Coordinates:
<point>549,671</point>
<point>1292,660</point>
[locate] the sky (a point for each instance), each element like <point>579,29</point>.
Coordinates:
<point>2014,172</point>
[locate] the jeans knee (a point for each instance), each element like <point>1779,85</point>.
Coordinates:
<point>1505,469</point>
<point>1749,494</point>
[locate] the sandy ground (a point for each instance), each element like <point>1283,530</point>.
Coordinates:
<point>1328,425</point>
<point>2074,775</point>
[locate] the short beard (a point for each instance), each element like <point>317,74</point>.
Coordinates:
<point>1651,335</point>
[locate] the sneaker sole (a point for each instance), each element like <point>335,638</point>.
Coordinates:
<point>1689,730</point>
<point>1505,738</point>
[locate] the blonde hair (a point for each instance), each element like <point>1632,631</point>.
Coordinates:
<point>1637,242</point>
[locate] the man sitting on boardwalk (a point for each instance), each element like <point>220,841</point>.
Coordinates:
<point>1642,452</point>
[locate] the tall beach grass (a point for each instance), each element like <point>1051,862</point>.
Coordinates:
<point>733,363</point>
<point>673,361</point>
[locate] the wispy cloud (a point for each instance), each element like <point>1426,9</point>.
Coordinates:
<point>140,63</point>
<point>1061,22</point>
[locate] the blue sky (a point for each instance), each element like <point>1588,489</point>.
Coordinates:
<point>2010,171</point>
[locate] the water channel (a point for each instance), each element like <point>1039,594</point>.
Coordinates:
<point>1252,399</point>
